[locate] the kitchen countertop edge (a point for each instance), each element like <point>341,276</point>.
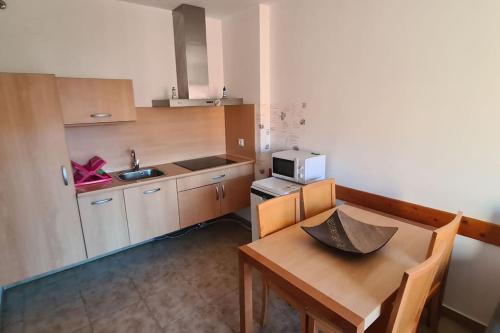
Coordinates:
<point>171,170</point>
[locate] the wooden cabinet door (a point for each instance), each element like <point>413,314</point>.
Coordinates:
<point>104,222</point>
<point>152,210</point>
<point>39,223</point>
<point>199,204</point>
<point>235,194</point>
<point>90,101</point>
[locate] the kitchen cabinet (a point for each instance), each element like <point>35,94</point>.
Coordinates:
<point>203,203</point>
<point>104,222</point>
<point>199,205</point>
<point>92,101</point>
<point>152,210</point>
<point>235,194</point>
<point>39,225</point>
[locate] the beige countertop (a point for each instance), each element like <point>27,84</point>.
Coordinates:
<point>171,171</point>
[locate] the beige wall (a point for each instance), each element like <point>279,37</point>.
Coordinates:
<point>404,98</point>
<point>100,38</point>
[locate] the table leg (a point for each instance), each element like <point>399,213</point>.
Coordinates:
<point>246,312</point>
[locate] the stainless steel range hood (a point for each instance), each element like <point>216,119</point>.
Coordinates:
<point>191,59</point>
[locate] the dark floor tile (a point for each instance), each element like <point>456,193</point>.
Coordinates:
<point>87,329</point>
<point>137,257</point>
<point>95,273</point>
<point>17,327</point>
<point>65,319</point>
<point>110,298</point>
<point>228,309</point>
<point>103,282</point>
<point>135,318</point>
<point>281,321</point>
<point>154,279</point>
<point>64,279</point>
<point>48,300</point>
<point>204,319</point>
<point>214,283</point>
<point>176,302</point>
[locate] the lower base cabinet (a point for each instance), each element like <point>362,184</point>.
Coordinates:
<point>208,202</point>
<point>115,219</point>
<point>235,194</point>
<point>104,222</point>
<point>199,204</point>
<point>152,210</point>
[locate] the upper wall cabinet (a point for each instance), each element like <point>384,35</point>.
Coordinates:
<point>91,101</point>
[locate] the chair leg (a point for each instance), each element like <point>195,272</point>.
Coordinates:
<point>312,326</point>
<point>304,322</point>
<point>265,299</point>
<point>434,310</point>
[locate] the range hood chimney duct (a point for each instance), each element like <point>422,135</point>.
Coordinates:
<point>190,38</point>
<point>191,59</point>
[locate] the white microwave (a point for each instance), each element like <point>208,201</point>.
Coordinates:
<point>298,166</point>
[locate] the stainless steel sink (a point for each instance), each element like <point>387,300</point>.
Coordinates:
<point>131,175</point>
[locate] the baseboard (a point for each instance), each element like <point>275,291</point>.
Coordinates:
<point>240,218</point>
<point>463,320</point>
<point>1,303</point>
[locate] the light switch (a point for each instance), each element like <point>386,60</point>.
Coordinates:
<point>241,142</point>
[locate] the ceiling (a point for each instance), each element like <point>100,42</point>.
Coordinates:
<point>214,8</point>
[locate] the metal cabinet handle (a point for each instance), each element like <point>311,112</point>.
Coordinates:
<point>64,175</point>
<point>223,192</point>
<point>218,177</point>
<point>152,191</point>
<point>100,115</point>
<point>217,193</point>
<point>100,202</point>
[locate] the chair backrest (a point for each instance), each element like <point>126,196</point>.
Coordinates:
<point>278,213</point>
<point>412,295</point>
<point>318,197</point>
<point>444,237</point>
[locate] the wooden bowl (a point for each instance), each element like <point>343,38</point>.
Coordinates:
<point>345,233</point>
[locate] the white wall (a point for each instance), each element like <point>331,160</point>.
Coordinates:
<point>240,37</point>
<point>100,38</point>
<point>246,70</point>
<point>403,97</point>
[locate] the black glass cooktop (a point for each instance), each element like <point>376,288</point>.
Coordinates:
<point>204,163</point>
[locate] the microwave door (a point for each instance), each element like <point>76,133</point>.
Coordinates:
<point>284,168</point>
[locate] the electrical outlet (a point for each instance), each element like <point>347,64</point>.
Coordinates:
<point>241,142</point>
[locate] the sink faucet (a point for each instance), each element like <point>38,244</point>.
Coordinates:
<point>134,162</point>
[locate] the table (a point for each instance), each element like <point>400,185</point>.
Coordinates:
<point>349,291</point>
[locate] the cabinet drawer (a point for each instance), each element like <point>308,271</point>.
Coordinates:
<point>152,210</point>
<point>213,177</point>
<point>104,222</point>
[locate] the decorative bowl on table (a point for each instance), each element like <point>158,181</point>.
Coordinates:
<point>345,233</point>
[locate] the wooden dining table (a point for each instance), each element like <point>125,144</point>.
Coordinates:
<point>348,291</point>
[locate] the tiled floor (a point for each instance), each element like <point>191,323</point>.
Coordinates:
<point>188,284</point>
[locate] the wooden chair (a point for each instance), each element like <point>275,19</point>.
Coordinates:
<point>443,237</point>
<point>274,215</point>
<point>318,197</point>
<point>409,303</point>
<point>278,213</point>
